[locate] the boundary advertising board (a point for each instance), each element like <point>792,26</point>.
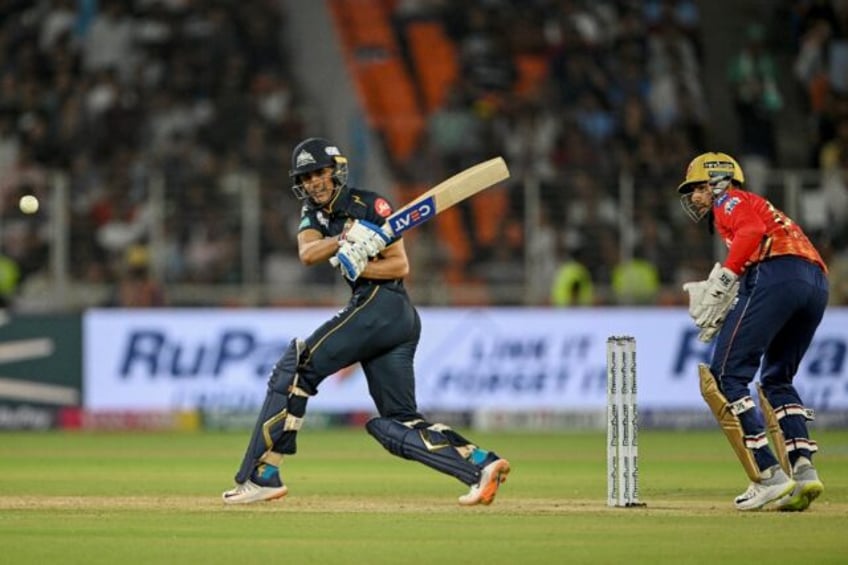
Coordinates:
<point>512,359</point>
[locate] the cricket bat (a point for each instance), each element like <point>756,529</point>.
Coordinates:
<point>446,194</point>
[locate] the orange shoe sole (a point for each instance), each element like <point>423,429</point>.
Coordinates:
<point>491,489</point>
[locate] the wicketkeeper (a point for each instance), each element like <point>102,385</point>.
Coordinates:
<point>379,328</point>
<point>763,305</point>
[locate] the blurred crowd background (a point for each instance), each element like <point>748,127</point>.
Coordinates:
<point>157,134</point>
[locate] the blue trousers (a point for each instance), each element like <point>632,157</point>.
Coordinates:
<point>780,305</point>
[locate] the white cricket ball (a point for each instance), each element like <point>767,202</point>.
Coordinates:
<point>28,204</point>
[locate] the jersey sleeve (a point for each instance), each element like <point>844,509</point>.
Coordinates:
<point>379,210</point>
<point>309,221</point>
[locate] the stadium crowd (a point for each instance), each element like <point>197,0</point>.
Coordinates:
<point>115,92</point>
<point>200,95</point>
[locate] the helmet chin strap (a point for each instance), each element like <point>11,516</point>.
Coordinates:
<point>337,189</point>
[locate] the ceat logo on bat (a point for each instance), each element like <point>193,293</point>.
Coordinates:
<point>382,207</point>
<point>413,216</point>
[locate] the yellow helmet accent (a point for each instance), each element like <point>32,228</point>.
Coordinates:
<point>711,166</point>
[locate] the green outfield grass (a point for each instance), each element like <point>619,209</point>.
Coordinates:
<point>154,498</point>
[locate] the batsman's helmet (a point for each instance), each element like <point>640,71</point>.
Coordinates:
<point>718,170</point>
<point>314,154</point>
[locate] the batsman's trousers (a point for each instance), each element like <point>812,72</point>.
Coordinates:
<point>379,328</point>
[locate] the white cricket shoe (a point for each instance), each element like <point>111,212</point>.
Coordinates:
<point>772,485</point>
<point>808,488</point>
<point>491,477</point>
<point>249,491</point>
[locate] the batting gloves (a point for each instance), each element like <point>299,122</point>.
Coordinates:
<point>352,259</point>
<point>368,235</point>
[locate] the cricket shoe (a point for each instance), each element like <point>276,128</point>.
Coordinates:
<point>249,491</point>
<point>264,484</point>
<point>773,484</point>
<point>491,477</point>
<point>808,488</point>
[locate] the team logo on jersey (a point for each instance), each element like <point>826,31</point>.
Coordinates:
<point>322,219</point>
<point>731,204</point>
<point>304,158</point>
<point>382,207</point>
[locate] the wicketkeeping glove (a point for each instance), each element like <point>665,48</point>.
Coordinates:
<point>369,235</point>
<point>710,299</point>
<point>707,334</point>
<point>351,259</point>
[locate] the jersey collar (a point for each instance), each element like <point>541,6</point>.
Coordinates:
<point>339,202</point>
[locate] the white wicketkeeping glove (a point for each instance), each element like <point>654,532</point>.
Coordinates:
<point>710,299</point>
<point>707,334</point>
<point>369,235</point>
<point>351,259</point>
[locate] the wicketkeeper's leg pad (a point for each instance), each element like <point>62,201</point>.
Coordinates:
<point>778,440</point>
<point>727,417</point>
<point>434,445</point>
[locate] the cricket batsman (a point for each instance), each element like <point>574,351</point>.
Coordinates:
<point>762,305</point>
<point>379,328</point>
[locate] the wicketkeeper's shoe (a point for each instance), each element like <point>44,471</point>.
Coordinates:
<point>773,484</point>
<point>808,488</point>
<point>491,477</point>
<point>264,484</point>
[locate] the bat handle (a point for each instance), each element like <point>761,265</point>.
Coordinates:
<point>386,228</point>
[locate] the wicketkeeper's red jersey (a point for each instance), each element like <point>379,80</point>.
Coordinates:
<point>754,230</point>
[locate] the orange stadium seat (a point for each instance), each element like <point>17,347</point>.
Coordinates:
<point>384,86</point>
<point>490,207</point>
<point>389,5</point>
<point>365,22</point>
<point>532,71</point>
<point>452,232</point>
<point>404,122</point>
<point>434,58</point>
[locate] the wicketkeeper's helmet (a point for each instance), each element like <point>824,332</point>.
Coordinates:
<point>719,170</point>
<point>711,167</point>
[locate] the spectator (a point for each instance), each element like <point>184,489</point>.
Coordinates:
<point>572,285</point>
<point>635,281</point>
<point>9,277</point>
<point>136,287</point>
<point>752,75</point>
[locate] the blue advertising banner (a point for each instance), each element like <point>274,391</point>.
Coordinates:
<point>511,359</point>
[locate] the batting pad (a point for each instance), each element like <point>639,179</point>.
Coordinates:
<point>424,444</point>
